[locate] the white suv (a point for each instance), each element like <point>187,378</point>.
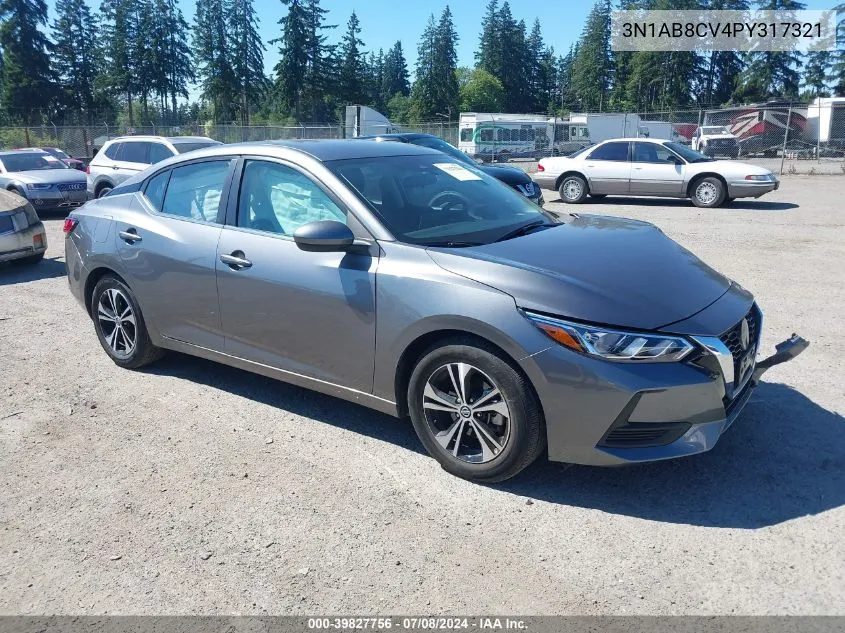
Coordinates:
<point>125,156</point>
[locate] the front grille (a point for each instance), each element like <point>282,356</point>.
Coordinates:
<point>72,186</point>
<point>733,341</point>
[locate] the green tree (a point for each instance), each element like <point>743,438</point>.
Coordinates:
<point>435,91</point>
<point>489,54</point>
<point>120,28</point>
<point>212,57</point>
<point>817,74</point>
<point>293,65</point>
<point>247,54</point>
<point>400,108</point>
<point>592,67</point>
<point>481,92</point>
<point>771,73</point>
<point>838,60</point>
<point>721,69</point>
<point>76,57</point>
<point>395,79</point>
<point>178,67</point>
<point>515,60</point>
<point>27,78</point>
<point>352,77</point>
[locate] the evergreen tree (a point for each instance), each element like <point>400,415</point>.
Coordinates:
<point>721,69</point>
<point>294,47</point>
<point>247,54</point>
<point>817,73</point>
<point>27,78</point>
<point>119,33</point>
<point>352,79</point>
<point>445,65</point>
<point>771,73</point>
<point>592,66</point>
<point>838,57</point>
<point>375,81</point>
<point>178,67</point>
<point>535,69</point>
<point>512,38</point>
<point>567,99</point>
<point>489,54</point>
<point>395,73</point>
<point>76,57</point>
<point>423,93</point>
<point>212,56</point>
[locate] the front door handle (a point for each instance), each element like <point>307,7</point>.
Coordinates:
<point>236,261</point>
<point>130,236</point>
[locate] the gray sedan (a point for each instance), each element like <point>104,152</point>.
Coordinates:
<point>47,182</point>
<point>399,278</point>
<point>22,235</point>
<point>651,167</point>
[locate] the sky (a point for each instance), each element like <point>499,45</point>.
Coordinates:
<point>385,21</point>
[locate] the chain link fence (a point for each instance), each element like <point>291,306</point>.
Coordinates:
<point>785,137</point>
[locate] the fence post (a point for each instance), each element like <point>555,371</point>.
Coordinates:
<point>785,137</point>
<point>819,133</point>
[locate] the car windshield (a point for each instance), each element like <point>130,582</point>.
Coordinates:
<point>30,161</point>
<point>689,155</point>
<point>184,148</point>
<point>437,201</point>
<point>442,146</point>
<point>713,130</point>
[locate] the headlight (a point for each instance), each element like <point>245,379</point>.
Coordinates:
<point>610,344</point>
<point>38,186</point>
<point>761,177</point>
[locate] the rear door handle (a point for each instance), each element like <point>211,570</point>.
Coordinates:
<point>236,261</point>
<point>130,236</point>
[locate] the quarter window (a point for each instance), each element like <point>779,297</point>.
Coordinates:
<point>279,199</point>
<point>159,152</point>
<point>156,186</point>
<point>113,151</point>
<point>617,152</point>
<point>194,190</point>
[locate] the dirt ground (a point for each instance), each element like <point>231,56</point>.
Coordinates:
<point>192,488</point>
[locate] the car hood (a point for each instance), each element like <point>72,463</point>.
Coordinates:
<point>509,175</point>
<point>598,269</point>
<point>51,176</point>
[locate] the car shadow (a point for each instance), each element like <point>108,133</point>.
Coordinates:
<point>740,203</point>
<point>17,272</point>
<point>783,458</point>
<point>290,398</point>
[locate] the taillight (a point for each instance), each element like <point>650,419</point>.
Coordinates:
<point>540,167</point>
<point>70,224</point>
<point>88,169</point>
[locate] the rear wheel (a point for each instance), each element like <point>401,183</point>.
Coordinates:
<point>708,192</point>
<point>103,190</point>
<point>474,412</point>
<point>573,189</point>
<point>120,325</point>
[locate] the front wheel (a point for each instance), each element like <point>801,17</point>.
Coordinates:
<point>573,189</point>
<point>120,325</point>
<point>474,412</point>
<point>708,192</point>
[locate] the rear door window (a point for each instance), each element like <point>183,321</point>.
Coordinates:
<point>156,186</point>
<point>617,152</point>
<point>194,191</point>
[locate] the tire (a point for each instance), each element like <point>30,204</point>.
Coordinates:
<point>462,449</point>
<point>103,190</point>
<point>111,293</point>
<point>598,196</point>
<point>573,189</point>
<point>708,192</point>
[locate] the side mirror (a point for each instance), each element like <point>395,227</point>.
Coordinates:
<point>324,236</point>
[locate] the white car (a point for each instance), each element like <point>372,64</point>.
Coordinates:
<point>651,167</point>
<point>123,157</point>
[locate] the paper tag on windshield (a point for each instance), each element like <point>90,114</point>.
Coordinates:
<point>457,171</point>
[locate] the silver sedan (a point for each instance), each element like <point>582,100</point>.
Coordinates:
<point>652,167</point>
<point>47,182</point>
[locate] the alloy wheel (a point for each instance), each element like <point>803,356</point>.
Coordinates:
<point>466,413</point>
<point>706,193</point>
<point>117,321</point>
<point>572,189</point>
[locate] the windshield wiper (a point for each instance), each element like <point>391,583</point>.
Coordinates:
<point>453,244</point>
<point>524,229</point>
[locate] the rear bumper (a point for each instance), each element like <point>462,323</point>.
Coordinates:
<point>546,181</point>
<point>24,243</point>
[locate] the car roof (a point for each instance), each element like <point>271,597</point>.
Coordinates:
<point>322,150</point>
<point>172,139</point>
<point>397,136</point>
<point>14,152</point>
<point>641,139</point>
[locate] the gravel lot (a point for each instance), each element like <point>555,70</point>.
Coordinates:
<point>192,488</point>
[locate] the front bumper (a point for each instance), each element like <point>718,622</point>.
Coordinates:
<point>25,243</point>
<point>606,414</point>
<point>751,189</point>
<point>53,200</point>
